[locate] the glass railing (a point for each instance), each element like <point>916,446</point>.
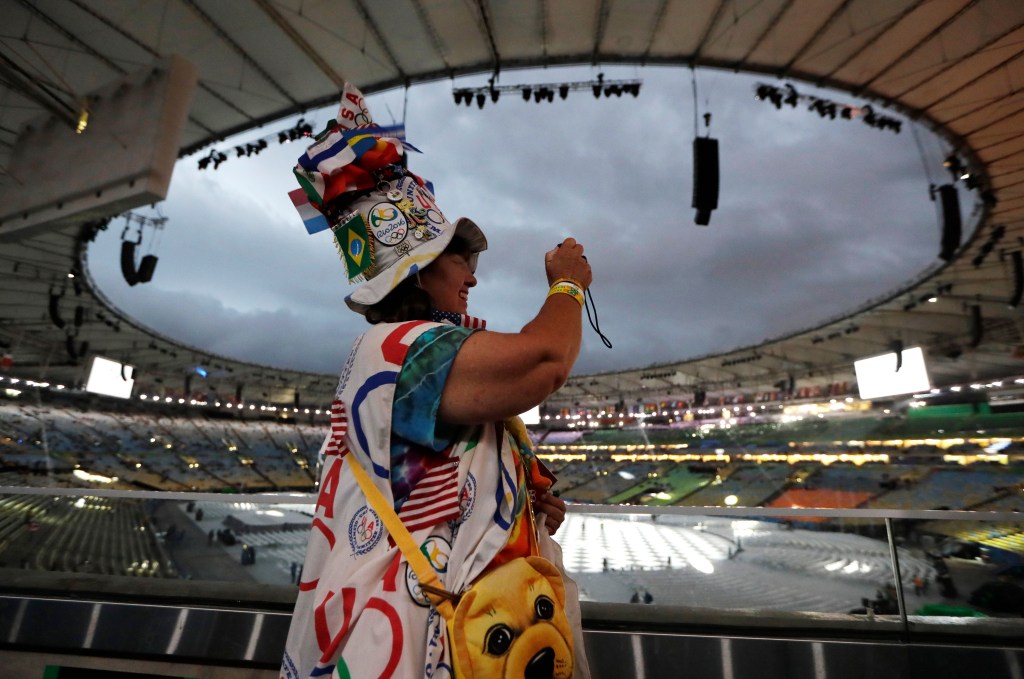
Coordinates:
<point>890,568</point>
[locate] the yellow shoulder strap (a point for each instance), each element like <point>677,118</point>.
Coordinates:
<point>428,580</point>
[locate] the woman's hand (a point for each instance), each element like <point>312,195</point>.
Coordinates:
<point>497,375</point>
<point>553,508</point>
<point>567,261</point>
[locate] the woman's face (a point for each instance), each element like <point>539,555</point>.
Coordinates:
<point>447,280</point>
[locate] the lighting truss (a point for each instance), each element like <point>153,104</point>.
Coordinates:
<point>301,130</point>
<point>789,96</point>
<point>546,91</point>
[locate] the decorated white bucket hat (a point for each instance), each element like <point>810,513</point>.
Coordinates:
<point>385,221</point>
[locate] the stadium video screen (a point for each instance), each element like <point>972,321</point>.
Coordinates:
<point>108,378</point>
<point>531,416</point>
<point>877,376</point>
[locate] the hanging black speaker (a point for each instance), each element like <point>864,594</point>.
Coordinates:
<point>146,268</point>
<point>1018,278</point>
<point>950,202</point>
<point>705,178</point>
<point>131,276</point>
<point>55,311</point>
<point>75,353</point>
<point>976,329</point>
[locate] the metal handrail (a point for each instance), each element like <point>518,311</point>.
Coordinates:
<point>572,507</point>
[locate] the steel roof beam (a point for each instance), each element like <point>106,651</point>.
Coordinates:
<point>707,32</point>
<point>817,34</point>
<point>916,46</point>
<point>36,91</point>
<point>495,56</point>
<point>301,43</point>
<point>542,27</point>
<point>764,34</point>
<point>659,16</point>
<point>972,81</point>
<point>435,39</point>
<point>74,39</point>
<point>379,37</point>
<point>878,36</point>
<point>246,57</point>
<point>599,29</point>
<point>153,53</point>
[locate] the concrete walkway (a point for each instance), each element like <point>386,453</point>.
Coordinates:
<point>193,554</point>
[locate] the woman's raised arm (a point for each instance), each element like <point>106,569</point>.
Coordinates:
<point>498,375</point>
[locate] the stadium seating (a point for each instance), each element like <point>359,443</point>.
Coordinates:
<point>157,451</point>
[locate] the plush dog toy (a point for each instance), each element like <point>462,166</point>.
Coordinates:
<point>512,624</point>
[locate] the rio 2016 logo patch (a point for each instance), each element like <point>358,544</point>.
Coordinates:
<point>438,551</point>
<point>388,224</point>
<point>364,531</point>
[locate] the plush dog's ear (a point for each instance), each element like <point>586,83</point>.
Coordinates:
<point>551,574</point>
<point>461,656</point>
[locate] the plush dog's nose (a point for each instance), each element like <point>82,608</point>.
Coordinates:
<point>542,665</point>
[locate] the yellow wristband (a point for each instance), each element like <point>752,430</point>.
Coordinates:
<point>570,289</point>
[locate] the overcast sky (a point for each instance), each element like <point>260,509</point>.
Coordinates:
<point>815,216</point>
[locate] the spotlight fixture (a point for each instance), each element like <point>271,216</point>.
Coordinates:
<point>870,118</point>
<point>955,167</point>
<point>791,96</point>
<point>204,162</point>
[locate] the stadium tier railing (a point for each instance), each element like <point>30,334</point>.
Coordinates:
<point>888,572</point>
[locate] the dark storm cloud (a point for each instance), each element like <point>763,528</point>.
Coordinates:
<point>815,217</point>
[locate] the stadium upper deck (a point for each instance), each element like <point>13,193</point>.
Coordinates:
<point>895,54</point>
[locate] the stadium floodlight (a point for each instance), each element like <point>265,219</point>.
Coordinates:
<point>892,374</point>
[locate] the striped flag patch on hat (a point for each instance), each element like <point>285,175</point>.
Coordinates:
<point>312,218</point>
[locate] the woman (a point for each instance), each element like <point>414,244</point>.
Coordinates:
<point>427,405</point>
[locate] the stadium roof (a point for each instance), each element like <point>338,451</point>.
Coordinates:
<point>956,65</point>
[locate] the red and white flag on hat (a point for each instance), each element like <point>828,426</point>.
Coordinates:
<point>353,112</point>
